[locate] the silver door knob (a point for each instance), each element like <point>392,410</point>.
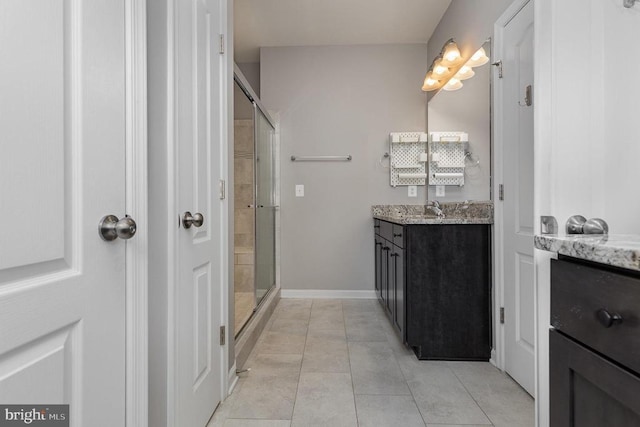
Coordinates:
<point>196,220</point>
<point>110,228</point>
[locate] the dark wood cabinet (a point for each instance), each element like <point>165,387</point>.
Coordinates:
<point>438,287</point>
<point>593,356</point>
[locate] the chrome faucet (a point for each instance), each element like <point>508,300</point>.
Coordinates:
<point>434,205</point>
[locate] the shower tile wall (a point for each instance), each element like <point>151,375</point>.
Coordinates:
<point>244,235</point>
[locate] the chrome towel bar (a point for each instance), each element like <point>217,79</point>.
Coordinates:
<point>321,158</point>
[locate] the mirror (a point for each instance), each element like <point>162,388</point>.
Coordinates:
<point>467,109</point>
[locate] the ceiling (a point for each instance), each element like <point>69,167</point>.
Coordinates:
<point>262,23</point>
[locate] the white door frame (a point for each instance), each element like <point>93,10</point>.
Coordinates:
<point>497,52</point>
<point>136,368</point>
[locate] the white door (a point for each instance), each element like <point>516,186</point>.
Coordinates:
<point>62,168</point>
<point>517,131</point>
<point>198,302</point>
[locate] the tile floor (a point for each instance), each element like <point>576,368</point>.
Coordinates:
<point>339,363</point>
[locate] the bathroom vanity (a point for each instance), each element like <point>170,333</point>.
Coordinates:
<point>594,356</point>
<point>433,277</point>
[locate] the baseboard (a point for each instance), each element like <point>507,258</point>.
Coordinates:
<point>233,379</point>
<point>327,294</point>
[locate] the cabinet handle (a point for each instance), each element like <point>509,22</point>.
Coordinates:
<point>378,244</point>
<point>394,254</point>
<point>376,226</point>
<point>386,248</point>
<point>397,235</point>
<point>607,319</point>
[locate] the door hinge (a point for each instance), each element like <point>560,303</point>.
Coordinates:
<point>222,189</point>
<point>499,65</point>
<point>223,339</point>
<point>500,192</point>
<point>501,314</point>
<point>221,44</point>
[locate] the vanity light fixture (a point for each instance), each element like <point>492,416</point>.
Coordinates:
<point>445,71</point>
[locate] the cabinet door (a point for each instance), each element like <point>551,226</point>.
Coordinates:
<point>398,287</point>
<point>384,273</point>
<point>378,263</point>
<point>587,390</point>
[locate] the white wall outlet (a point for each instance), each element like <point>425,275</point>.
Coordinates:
<point>299,190</point>
<point>439,190</point>
<point>412,191</point>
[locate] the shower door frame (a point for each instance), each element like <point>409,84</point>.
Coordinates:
<point>246,88</point>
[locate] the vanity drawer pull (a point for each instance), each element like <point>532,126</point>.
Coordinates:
<point>607,319</point>
<point>397,235</point>
<point>394,254</point>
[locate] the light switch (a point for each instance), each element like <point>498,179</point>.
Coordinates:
<point>412,191</point>
<point>299,190</point>
<point>439,190</point>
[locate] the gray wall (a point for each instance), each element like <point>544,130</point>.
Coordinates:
<point>338,101</point>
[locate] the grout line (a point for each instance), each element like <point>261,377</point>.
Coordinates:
<point>471,395</point>
<point>353,387</point>
<point>295,399</point>
<point>415,402</point>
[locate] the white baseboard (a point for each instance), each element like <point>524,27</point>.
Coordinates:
<point>233,379</point>
<point>326,294</point>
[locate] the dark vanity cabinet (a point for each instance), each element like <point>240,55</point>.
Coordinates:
<point>389,279</point>
<point>594,356</point>
<point>434,282</point>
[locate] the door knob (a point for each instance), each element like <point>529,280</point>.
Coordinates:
<point>110,228</point>
<point>196,220</point>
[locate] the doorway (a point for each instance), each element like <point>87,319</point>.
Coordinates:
<point>514,212</point>
<point>255,207</point>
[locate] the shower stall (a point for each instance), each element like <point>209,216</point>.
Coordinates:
<point>255,203</point>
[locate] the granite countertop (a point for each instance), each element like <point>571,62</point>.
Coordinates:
<point>453,213</point>
<point>619,250</point>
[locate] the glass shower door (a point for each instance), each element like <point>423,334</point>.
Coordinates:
<point>265,226</point>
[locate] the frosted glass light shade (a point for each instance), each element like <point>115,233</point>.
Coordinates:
<point>477,59</point>
<point>439,69</point>
<point>453,84</point>
<point>451,54</point>
<point>430,83</point>
<point>465,73</point>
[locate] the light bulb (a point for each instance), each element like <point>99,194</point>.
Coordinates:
<point>439,69</point>
<point>453,84</point>
<point>430,83</point>
<point>451,54</point>
<point>465,73</point>
<point>478,58</point>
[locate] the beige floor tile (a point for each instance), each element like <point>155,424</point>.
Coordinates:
<point>324,399</point>
<point>442,399</point>
<point>266,397</point>
<point>387,411</point>
<point>375,369</point>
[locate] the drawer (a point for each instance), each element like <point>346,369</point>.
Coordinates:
<point>386,230</point>
<point>376,226</point>
<point>585,303</point>
<point>398,235</point>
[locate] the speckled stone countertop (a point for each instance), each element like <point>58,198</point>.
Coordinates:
<point>453,213</point>
<point>619,250</point>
